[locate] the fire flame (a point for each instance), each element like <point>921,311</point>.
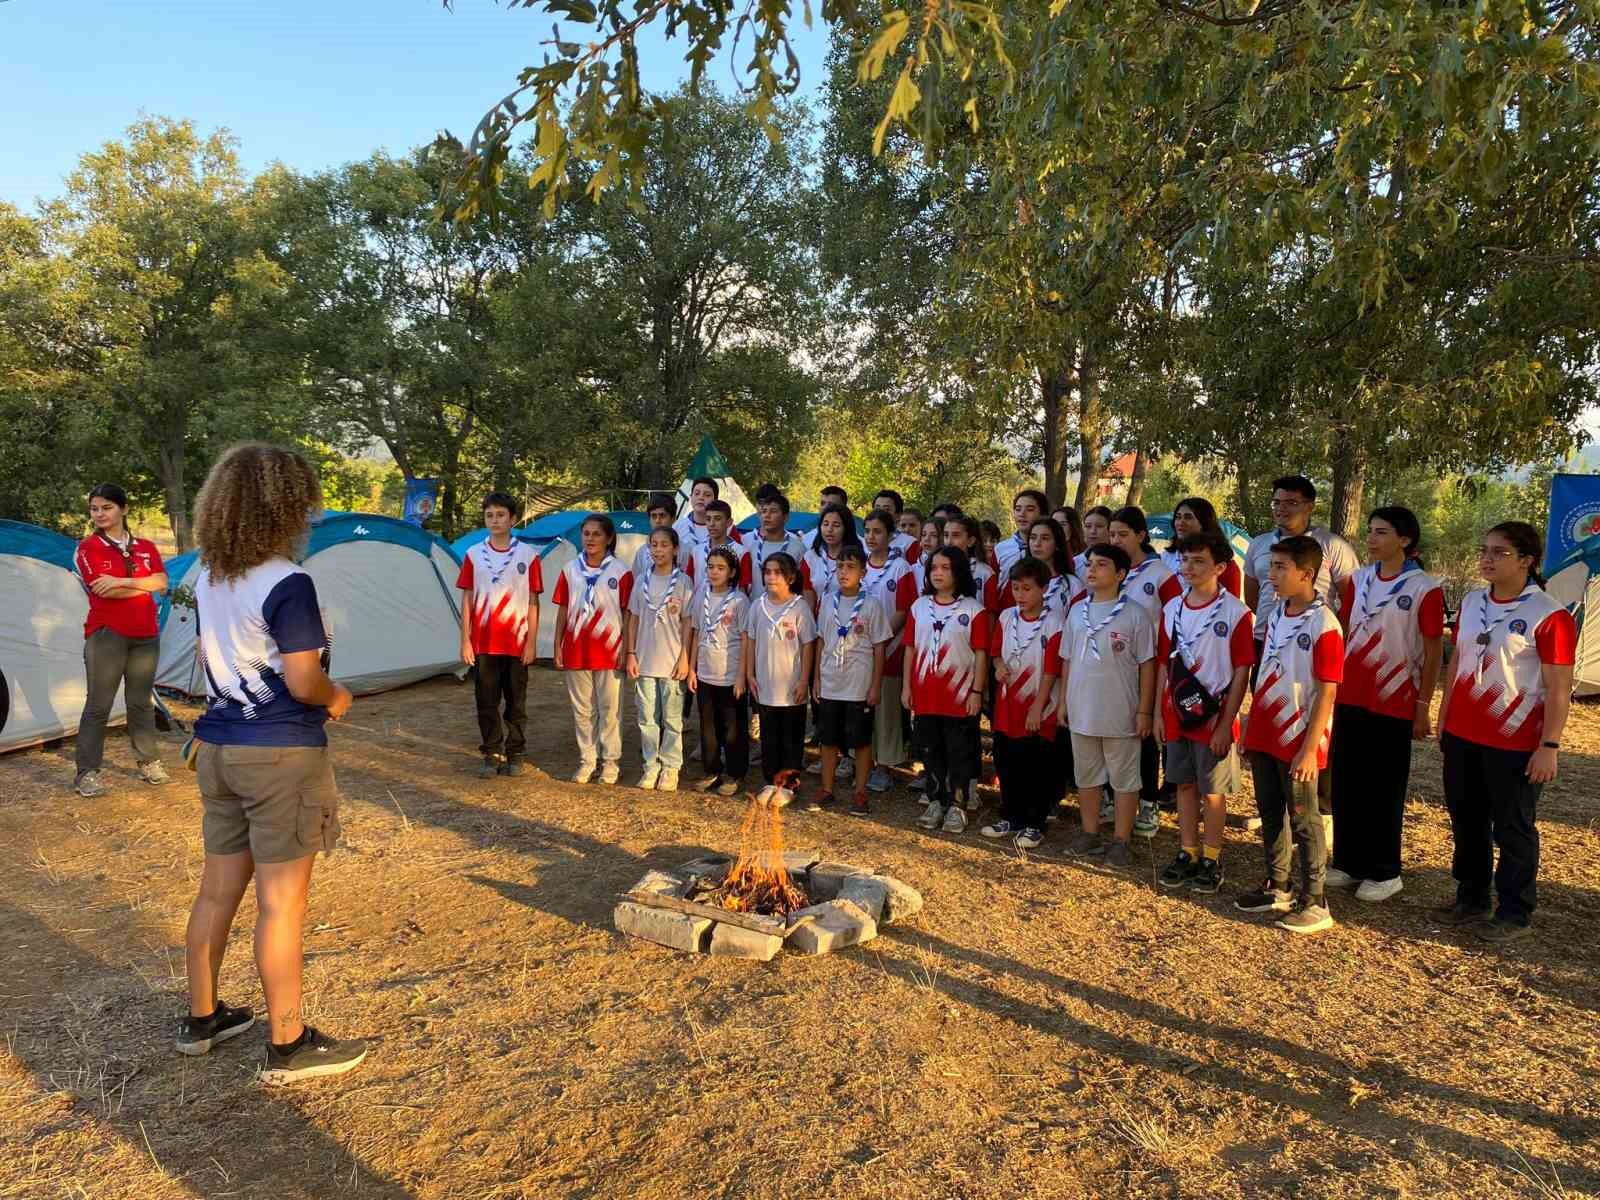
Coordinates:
<point>758,882</point>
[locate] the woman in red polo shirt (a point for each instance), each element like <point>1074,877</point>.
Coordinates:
<point>121,573</point>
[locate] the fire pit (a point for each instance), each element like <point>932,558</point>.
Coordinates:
<point>766,898</point>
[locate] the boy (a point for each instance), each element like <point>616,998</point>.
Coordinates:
<point>832,494</point>
<point>1026,508</point>
<point>1286,737</point>
<point>691,526</point>
<point>719,534</point>
<point>500,584</point>
<point>906,545</point>
<point>909,522</point>
<point>1108,685</point>
<point>852,627</point>
<point>1025,649</point>
<point>1209,633</point>
<point>660,512</point>
<point>772,536</point>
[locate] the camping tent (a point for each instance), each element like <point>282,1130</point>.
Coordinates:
<point>1161,535</point>
<point>558,539</point>
<point>796,522</point>
<point>42,610</point>
<point>1575,583</point>
<point>387,590</point>
<point>709,464</point>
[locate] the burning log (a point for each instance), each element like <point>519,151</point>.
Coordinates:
<point>758,881</point>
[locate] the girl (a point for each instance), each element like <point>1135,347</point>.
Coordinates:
<point>1393,646</point>
<point>1504,709</point>
<point>1047,542</point>
<point>836,528</point>
<point>947,651</point>
<point>885,571</point>
<point>963,534</point>
<point>122,640</point>
<point>1067,517</point>
<point>261,752</point>
<point>1150,584</point>
<point>1194,514</point>
<point>591,599</point>
<point>780,635</point>
<point>658,660</point>
<point>716,673</point>
<point>1096,532</point>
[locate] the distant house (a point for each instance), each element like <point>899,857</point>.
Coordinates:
<point>1114,478</point>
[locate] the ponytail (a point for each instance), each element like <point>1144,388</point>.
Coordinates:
<point>1133,517</point>
<point>1525,540</point>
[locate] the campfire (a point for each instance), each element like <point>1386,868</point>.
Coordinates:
<point>766,898</point>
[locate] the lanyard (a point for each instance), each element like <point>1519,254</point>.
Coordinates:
<point>710,620</point>
<point>1023,648</point>
<point>842,628</point>
<point>1181,642</point>
<point>590,578</point>
<point>1362,612</point>
<point>658,609</point>
<point>123,548</point>
<point>1486,635</point>
<point>1277,645</point>
<point>772,618</point>
<point>1091,633</point>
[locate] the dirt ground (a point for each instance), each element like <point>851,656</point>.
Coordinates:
<point>1042,1028</point>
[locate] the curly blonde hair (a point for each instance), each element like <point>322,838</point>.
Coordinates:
<point>256,504</point>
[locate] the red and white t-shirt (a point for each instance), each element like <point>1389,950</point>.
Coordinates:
<point>903,545</point>
<point>1060,594</point>
<point>884,583</point>
<point>778,635</point>
<point>1008,551</point>
<point>1389,618</point>
<point>1298,653</point>
<point>1215,639</point>
<point>1031,651</point>
<point>596,599</point>
<point>129,616</point>
<point>1497,690</point>
<point>504,584</point>
<point>697,562</point>
<point>1151,585</point>
<point>942,643</point>
<point>819,572</point>
<point>1231,579</point>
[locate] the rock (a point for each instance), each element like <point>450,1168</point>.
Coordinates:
<point>904,900</point>
<point>677,931</point>
<point>663,883</point>
<point>869,894</point>
<point>838,923</point>
<point>713,866</point>
<point>825,879</point>
<point>731,941</point>
<point>798,862</point>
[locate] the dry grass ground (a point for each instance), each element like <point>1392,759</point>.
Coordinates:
<point>1041,1029</point>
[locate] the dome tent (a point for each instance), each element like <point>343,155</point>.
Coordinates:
<point>708,463</point>
<point>42,610</point>
<point>1573,583</point>
<point>558,537</point>
<point>387,591</point>
<point>1161,535</point>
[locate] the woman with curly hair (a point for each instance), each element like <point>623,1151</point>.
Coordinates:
<point>266,780</point>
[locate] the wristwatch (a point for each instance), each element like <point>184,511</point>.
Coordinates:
<point>1551,745</point>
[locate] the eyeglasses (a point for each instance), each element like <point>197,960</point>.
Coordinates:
<point>1288,502</point>
<point>1496,552</point>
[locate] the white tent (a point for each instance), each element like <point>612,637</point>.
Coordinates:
<point>388,596</point>
<point>709,464</point>
<point>42,611</point>
<point>1575,583</point>
<point>558,537</point>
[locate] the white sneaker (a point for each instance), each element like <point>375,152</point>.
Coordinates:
<point>1376,890</point>
<point>1000,829</point>
<point>955,819</point>
<point>814,767</point>
<point>878,780</point>
<point>584,773</point>
<point>1108,810</point>
<point>1337,878</point>
<point>847,768</point>
<point>610,773</point>
<point>154,773</point>
<point>972,795</point>
<point>668,781</point>
<point>1028,839</point>
<point>932,816</point>
<point>648,778</point>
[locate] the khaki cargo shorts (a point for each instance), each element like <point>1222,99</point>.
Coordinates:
<point>278,802</point>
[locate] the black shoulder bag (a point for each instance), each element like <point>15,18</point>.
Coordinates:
<point>1194,702</point>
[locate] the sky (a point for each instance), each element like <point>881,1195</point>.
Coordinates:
<point>311,85</point>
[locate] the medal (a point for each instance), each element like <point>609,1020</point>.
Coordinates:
<point>1487,636</point>
<point>1023,649</point>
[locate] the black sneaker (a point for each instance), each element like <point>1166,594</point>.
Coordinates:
<point>820,802</point>
<point>196,1035</point>
<point>859,806</point>
<point>511,766</point>
<point>315,1054</point>
<point>1269,897</point>
<point>1180,871</point>
<point>1500,930</point>
<point>1207,876</point>
<point>1462,913</point>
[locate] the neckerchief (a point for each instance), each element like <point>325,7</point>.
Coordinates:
<point>842,628</point>
<point>658,609</point>
<point>774,617</point>
<point>1361,613</point>
<point>509,553</point>
<point>1182,644</point>
<point>590,578</point>
<point>1486,635</point>
<point>1275,645</point>
<point>1014,660</point>
<point>709,621</point>
<point>125,549</point>
<point>1091,633</point>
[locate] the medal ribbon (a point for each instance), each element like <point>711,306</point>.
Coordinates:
<point>1486,635</point>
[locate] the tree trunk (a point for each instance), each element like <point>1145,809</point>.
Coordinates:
<point>1055,388</point>
<point>1349,482</point>
<point>169,465</point>
<point>1141,469</point>
<point>1245,496</point>
<point>1091,429</point>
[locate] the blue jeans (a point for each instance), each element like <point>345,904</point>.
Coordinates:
<point>660,703</point>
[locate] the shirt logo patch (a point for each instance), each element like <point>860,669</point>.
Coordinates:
<point>1303,641</point>
<point>612,583</point>
<point>1403,603</point>
<point>1519,626</point>
<point>789,632</point>
<point>522,568</point>
<point>1220,629</point>
<point>962,619</point>
<point>1118,643</point>
<point>1149,589</point>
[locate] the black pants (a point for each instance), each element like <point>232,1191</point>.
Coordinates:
<point>1030,783</point>
<point>1290,821</point>
<point>111,661</point>
<point>502,679</point>
<point>724,731</point>
<point>1492,804</point>
<point>1062,779</point>
<point>783,739</point>
<point>1149,770</point>
<point>948,747</point>
<point>1371,758</point>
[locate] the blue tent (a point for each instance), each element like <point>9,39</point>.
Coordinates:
<point>1574,582</point>
<point>798,522</point>
<point>1161,534</point>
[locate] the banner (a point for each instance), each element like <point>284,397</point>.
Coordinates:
<point>422,496</point>
<point>1574,516</point>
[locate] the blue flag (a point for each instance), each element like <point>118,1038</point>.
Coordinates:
<point>422,497</point>
<point>1574,516</point>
